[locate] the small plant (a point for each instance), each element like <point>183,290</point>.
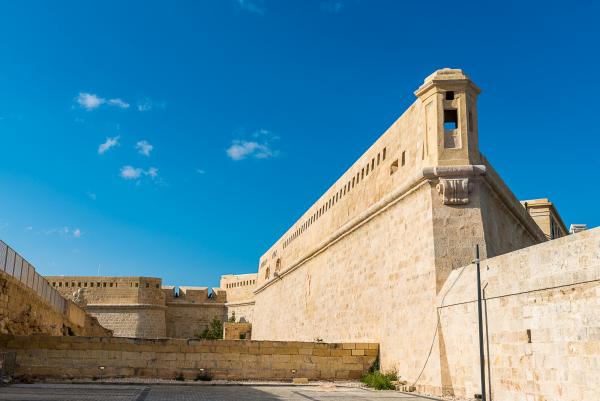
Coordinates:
<point>318,340</point>
<point>180,377</point>
<point>232,318</point>
<point>214,332</point>
<point>379,380</point>
<point>242,336</point>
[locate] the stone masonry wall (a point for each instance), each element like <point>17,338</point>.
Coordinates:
<point>185,320</point>
<point>134,321</point>
<point>542,321</point>
<point>80,357</point>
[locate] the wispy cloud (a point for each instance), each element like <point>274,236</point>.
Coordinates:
<point>91,195</point>
<point>259,147</point>
<point>152,172</point>
<point>119,103</point>
<point>147,104</point>
<point>200,171</point>
<point>91,101</point>
<point>252,6</point>
<point>144,147</point>
<point>62,232</point>
<point>109,143</point>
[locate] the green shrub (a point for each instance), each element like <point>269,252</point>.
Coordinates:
<point>379,380</point>
<point>214,332</point>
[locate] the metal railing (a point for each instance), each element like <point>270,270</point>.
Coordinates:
<point>15,265</point>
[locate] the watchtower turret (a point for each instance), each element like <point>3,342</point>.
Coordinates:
<point>449,98</point>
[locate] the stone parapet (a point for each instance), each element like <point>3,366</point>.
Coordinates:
<point>82,357</point>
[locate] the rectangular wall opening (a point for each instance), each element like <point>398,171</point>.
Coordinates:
<point>450,120</point>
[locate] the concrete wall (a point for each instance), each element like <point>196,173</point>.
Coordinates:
<point>69,357</point>
<point>542,319</point>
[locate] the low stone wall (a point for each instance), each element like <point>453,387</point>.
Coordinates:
<point>82,357</point>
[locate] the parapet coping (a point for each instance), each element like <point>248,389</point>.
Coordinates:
<point>415,182</point>
<point>190,304</point>
<point>240,303</point>
<point>134,306</point>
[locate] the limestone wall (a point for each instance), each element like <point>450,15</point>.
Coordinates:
<point>29,304</point>
<point>110,290</point>
<point>70,357</point>
<point>187,320</point>
<point>134,321</point>
<point>375,284</point>
<point>239,287</point>
<point>24,312</point>
<point>542,315</point>
<point>242,311</point>
<point>237,331</point>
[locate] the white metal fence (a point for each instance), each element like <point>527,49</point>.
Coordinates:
<point>14,264</point>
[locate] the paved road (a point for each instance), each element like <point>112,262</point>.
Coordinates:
<point>84,392</point>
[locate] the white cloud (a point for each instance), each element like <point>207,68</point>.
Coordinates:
<point>77,233</point>
<point>109,143</point>
<point>253,6</point>
<point>200,171</point>
<point>119,103</point>
<point>136,173</point>
<point>130,173</point>
<point>144,148</point>
<point>260,147</point>
<point>89,101</point>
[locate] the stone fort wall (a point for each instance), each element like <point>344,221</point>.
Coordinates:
<point>368,260</point>
<point>140,307</point>
<point>240,295</point>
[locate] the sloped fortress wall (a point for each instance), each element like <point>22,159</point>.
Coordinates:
<point>368,260</point>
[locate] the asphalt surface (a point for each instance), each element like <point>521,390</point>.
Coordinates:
<point>95,392</point>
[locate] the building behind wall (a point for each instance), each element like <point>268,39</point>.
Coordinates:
<point>240,295</point>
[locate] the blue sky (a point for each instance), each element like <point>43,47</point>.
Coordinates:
<point>181,139</point>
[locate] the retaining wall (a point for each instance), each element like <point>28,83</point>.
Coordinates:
<point>82,357</point>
